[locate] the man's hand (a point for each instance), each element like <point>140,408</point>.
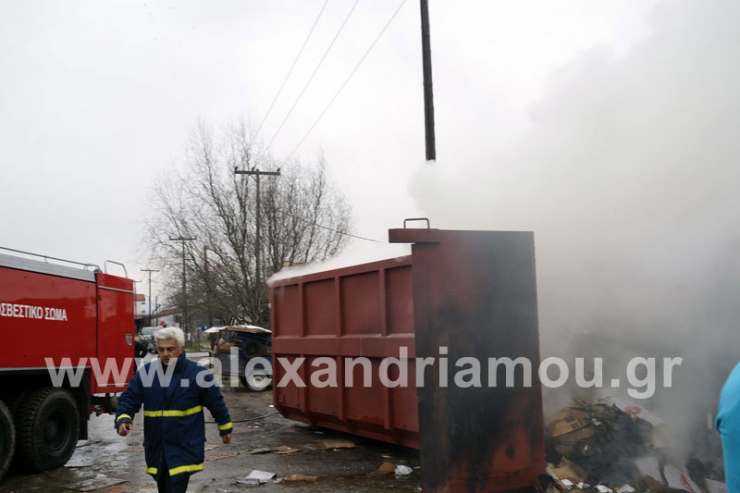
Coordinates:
<point>226,439</point>
<point>124,428</point>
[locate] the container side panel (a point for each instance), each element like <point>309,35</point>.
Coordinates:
<point>356,298</point>
<point>322,379</point>
<point>321,307</point>
<point>360,303</point>
<point>475,294</point>
<point>403,405</point>
<point>46,316</point>
<point>287,394</point>
<point>399,300</point>
<point>287,311</point>
<point>364,403</point>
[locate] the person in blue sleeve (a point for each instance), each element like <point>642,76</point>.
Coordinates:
<point>174,391</point>
<point>728,425</point>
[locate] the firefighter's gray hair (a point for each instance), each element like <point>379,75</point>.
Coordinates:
<point>169,333</point>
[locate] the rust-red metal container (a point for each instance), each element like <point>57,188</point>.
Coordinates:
<point>461,294</point>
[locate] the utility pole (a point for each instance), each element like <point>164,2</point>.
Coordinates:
<point>258,250</point>
<point>426,53</point>
<point>183,239</point>
<point>150,292</point>
<point>208,286</point>
<point>135,305</point>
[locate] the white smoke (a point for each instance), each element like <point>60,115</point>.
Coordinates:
<point>629,178</point>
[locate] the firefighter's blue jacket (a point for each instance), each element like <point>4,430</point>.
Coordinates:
<point>728,425</point>
<point>174,426</point>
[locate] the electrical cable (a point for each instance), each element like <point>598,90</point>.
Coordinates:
<point>326,227</point>
<point>305,42</point>
<point>341,28</point>
<point>347,80</point>
<point>249,419</point>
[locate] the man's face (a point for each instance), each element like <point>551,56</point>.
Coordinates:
<point>168,350</point>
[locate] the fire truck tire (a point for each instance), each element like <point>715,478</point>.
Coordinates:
<point>7,439</point>
<point>47,424</point>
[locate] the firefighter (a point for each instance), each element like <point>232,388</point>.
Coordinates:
<point>728,425</point>
<point>174,426</point>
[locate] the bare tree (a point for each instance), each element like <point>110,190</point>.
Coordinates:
<point>303,219</point>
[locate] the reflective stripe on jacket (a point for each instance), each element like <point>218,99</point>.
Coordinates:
<point>174,425</point>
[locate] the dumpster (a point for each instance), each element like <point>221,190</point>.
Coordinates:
<point>375,350</point>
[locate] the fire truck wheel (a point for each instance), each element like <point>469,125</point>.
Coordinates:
<point>7,442</point>
<point>47,424</point>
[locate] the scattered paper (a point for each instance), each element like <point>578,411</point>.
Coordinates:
<point>679,479</point>
<point>250,481</point>
<point>261,474</point>
<point>715,486</point>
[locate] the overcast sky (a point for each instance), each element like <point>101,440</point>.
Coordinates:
<point>98,99</point>
<point>609,128</point>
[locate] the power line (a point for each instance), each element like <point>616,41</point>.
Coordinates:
<point>314,73</point>
<point>305,42</point>
<point>348,78</point>
<point>325,227</point>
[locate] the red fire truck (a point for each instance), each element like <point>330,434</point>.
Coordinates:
<point>67,334</point>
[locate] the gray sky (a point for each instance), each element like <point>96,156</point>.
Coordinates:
<point>609,128</point>
<point>98,99</point>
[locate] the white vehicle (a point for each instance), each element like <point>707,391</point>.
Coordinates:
<point>147,337</point>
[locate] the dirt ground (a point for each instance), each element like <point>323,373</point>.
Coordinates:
<point>106,457</point>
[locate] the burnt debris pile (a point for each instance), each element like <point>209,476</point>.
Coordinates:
<point>616,445</point>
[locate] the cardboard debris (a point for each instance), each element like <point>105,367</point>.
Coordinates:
<point>300,477</point>
<point>284,450</point>
<point>263,450</point>
<point>224,455</point>
<point>570,471</point>
<point>384,469</point>
<point>333,445</point>
<point>618,444</point>
<point>569,428</point>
